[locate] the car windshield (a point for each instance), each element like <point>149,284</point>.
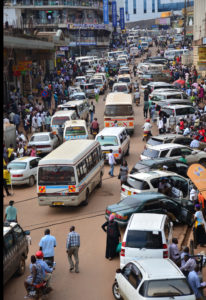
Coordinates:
<point>39,138</point>
<point>144,239</point>
<point>136,183</point>
<point>56,175</point>
<point>122,61</point>
<point>126,79</point>
<point>168,288</point>
<point>77,97</point>
<point>75,130</point>
<point>17,166</point>
<point>150,153</point>
<point>107,140</point>
<point>120,88</point>
<point>118,110</point>
<point>154,141</point>
<point>60,120</point>
<point>96,80</point>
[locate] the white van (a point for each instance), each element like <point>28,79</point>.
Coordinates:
<point>80,106</point>
<point>146,236</point>
<point>119,107</point>
<point>170,54</point>
<point>68,175</point>
<point>115,138</point>
<point>60,117</point>
<point>75,129</point>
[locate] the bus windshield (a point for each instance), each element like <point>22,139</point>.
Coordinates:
<point>60,120</point>
<point>75,130</point>
<point>118,110</point>
<point>56,175</point>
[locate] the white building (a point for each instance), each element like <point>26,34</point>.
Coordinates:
<point>138,10</point>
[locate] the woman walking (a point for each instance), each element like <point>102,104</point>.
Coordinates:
<point>200,227</point>
<point>123,172</point>
<point>113,237</point>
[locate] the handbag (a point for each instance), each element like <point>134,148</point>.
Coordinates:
<point>119,246</point>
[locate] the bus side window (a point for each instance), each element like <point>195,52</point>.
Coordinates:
<point>95,156</point>
<point>89,162</point>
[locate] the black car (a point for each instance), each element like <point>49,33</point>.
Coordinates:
<point>150,164</point>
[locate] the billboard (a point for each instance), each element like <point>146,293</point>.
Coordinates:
<point>106,11</point>
<point>114,13</point>
<point>122,22</point>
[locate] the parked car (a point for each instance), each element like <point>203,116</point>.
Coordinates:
<point>153,278</point>
<point>150,202</point>
<point>149,182</point>
<point>172,138</point>
<point>165,94</point>
<point>173,165</point>
<point>15,250</point>
<point>23,170</point>
<point>178,111</point>
<point>88,89</point>
<point>44,142</point>
<point>174,151</point>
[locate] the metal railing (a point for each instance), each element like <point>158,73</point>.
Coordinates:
<point>75,3</point>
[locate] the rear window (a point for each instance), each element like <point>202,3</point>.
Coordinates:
<point>154,141</point>
<point>144,239</point>
<point>39,138</point>
<point>118,110</point>
<point>60,120</point>
<point>17,166</point>
<point>75,130</point>
<point>126,79</point>
<point>150,153</point>
<point>120,88</point>
<point>168,288</point>
<point>137,183</point>
<point>107,140</point>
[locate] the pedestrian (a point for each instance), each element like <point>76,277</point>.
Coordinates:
<point>193,196</point>
<point>47,121</point>
<point>174,253</point>
<point>56,100</point>
<point>189,265</point>
<point>146,108</point>
<point>6,176</point>
<point>47,245</point>
<point>92,111</point>
<point>10,150</point>
<point>115,123</point>
<point>185,251</point>
<point>194,282</point>
<point>39,122</point>
<point>199,227</point>
<point>112,162</point>
<point>113,237</point>
<point>33,151</point>
<point>72,246</point>
<point>161,125</point>
<point>11,212</point>
<point>96,92</point>
<point>20,151</point>
<point>16,120</point>
<point>123,172</point>
<point>202,202</point>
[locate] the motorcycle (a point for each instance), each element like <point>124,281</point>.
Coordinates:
<point>94,132</point>
<point>146,135</point>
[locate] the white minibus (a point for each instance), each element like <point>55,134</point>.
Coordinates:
<point>60,117</point>
<point>75,129</point>
<point>170,54</point>
<point>68,174</point>
<point>80,106</point>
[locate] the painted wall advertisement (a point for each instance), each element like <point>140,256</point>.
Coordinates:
<point>114,13</point>
<point>122,22</point>
<point>202,53</point>
<point>106,11</point>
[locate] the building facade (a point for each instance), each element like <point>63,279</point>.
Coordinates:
<point>199,36</point>
<point>138,10</point>
<point>81,21</point>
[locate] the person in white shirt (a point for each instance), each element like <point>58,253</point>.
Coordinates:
<point>112,162</point>
<point>20,151</point>
<point>193,195</point>
<point>39,123</point>
<point>147,127</point>
<point>34,124</point>
<point>186,131</point>
<point>195,144</point>
<point>160,125</point>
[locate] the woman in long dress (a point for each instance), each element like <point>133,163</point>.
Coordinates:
<point>200,226</point>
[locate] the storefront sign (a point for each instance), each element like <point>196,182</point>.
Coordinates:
<point>122,22</point>
<point>202,53</point>
<point>162,21</point>
<point>106,11</point>
<point>86,26</point>
<point>22,66</point>
<point>114,14</point>
<point>64,48</point>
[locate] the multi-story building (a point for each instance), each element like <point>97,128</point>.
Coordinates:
<point>81,21</point>
<point>199,36</point>
<point>138,10</point>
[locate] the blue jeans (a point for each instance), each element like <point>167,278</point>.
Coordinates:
<point>111,172</point>
<point>91,116</point>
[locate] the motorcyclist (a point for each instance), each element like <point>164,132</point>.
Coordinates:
<point>137,95</point>
<point>94,126</point>
<point>46,270</point>
<point>147,127</point>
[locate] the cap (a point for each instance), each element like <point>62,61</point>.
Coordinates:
<point>39,254</point>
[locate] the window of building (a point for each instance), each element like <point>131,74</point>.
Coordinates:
<point>145,6</point>
<point>126,7</point>
<point>134,6</point>
<point>153,6</point>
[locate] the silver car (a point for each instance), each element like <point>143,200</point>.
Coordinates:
<point>44,142</point>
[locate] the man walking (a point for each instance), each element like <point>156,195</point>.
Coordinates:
<point>11,212</point>
<point>92,111</point>
<point>47,245</point>
<point>72,246</point>
<point>111,163</point>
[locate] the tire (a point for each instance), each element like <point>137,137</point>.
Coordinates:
<point>21,267</point>
<point>99,185</point>
<point>115,291</point>
<point>203,162</point>
<point>31,180</point>
<point>85,202</point>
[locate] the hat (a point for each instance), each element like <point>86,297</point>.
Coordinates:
<point>39,254</point>
<point>165,167</point>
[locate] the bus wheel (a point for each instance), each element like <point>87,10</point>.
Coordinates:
<point>85,202</point>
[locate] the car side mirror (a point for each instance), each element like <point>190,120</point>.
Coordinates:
<point>119,271</point>
<point>27,232</point>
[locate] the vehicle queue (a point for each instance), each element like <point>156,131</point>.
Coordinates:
<point>159,194</point>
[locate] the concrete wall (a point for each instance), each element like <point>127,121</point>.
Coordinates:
<point>199,19</point>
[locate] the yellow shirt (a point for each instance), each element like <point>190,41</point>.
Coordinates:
<point>10,150</point>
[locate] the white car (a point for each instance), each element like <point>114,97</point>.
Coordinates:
<point>44,142</point>
<point>151,278</point>
<point>149,182</point>
<point>79,80</point>
<point>174,151</point>
<point>23,170</point>
<point>120,88</point>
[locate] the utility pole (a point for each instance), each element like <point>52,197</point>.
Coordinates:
<point>185,17</point>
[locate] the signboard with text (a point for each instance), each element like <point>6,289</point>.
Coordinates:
<point>122,22</point>
<point>202,53</point>
<point>114,13</point>
<point>106,11</point>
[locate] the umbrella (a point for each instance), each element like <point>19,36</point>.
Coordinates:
<point>180,81</point>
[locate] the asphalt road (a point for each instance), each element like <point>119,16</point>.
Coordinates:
<point>94,282</point>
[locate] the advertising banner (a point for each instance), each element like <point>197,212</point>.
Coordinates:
<point>114,13</point>
<point>122,22</point>
<point>197,173</point>
<point>202,53</point>
<point>106,11</point>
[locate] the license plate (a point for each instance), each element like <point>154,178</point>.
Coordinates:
<point>105,151</point>
<point>129,193</point>
<point>58,203</point>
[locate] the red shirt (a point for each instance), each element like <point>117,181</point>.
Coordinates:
<point>95,125</point>
<point>181,125</point>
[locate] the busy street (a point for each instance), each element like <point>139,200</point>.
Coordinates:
<point>104,173</point>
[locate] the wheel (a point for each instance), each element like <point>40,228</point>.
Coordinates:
<point>127,153</point>
<point>85,202</point>
<point>115,291</point>
<point>31,180</point>
<point>203,162</point>
<point>99,185</point>
<point>21,267</point>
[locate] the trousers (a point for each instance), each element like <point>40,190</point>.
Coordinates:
<point>73,251</point>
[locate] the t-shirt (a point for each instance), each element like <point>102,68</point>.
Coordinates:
<point>11,213</point>
<point>48,242</point>
<point>111,159</point>
<point>10,150</point>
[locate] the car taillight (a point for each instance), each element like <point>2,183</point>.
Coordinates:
<point>123,189</point>
<point>121,217</point>
<point>122,253</point>
<point>107,119</point>
<point>130,119</point>
<point>165,253</point>
<point>120,150</point>
<point>134,193</point>
<point>17,175</point>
